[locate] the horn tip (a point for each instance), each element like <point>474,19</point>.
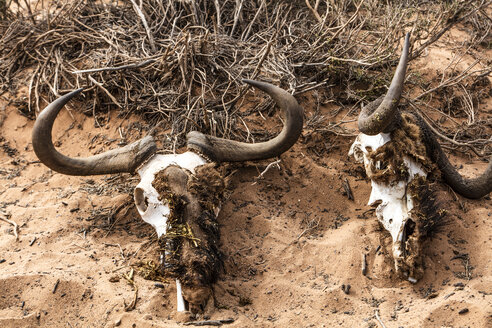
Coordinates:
<point>406,44</point>
<point>264,86</point>
<point>73,93</point>
<point>251,82</point>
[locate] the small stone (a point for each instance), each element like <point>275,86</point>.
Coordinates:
<point>463,311</point>
<point>147,317</point>
<point>346,289</point>
<point>432,295</point>
<point>159,285</point>
<point>114,279</point>
<point>117,323</point>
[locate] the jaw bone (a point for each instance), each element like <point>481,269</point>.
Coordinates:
<point>395,203</point>
<point>154,211</point>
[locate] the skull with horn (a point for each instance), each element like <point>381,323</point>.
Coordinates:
<point>398,150</point>
<point>179,195</point>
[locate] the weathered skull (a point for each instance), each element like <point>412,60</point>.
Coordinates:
<point>398,151</point>
<point>179,195</point>
<point>393,200</point>
<point>154,210</point>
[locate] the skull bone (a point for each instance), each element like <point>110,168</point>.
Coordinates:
<point>395,203</point>
<point>153,210</point>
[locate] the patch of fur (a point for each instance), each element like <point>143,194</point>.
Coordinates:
<point>426,218</point>
<point>428,210</point>
<point>175,202</point>
<point>209,185</point>
<point>405,140</point>
<point>191,244</point>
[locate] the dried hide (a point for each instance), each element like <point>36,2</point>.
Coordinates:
<point>425,219</point>
<point>190,246</point>
<point>387,162</point>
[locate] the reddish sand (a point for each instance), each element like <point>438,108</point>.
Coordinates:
<point>290,241</point>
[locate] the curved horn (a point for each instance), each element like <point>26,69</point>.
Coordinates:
<point>469,188</point>
<point>224,150</point>
<point>125,159</point>
<point>372,122</point>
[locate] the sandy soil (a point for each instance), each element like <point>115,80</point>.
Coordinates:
<point>290,241</point>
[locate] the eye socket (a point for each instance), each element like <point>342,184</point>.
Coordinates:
<point>140,200</point>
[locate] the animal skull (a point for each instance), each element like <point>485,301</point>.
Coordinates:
<point>394,202</point>
<point>149,206</point>
<point>382,127</point>
<point>167,179</point>
<point>153,210</point>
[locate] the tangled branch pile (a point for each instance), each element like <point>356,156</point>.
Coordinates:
<point>182,61</point>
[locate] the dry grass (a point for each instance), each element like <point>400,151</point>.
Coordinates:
<point>181,62</point>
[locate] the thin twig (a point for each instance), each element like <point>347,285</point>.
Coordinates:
<point>219,322</point>
<point>314,11</point>
<point>145,24</point>
<point>364,264</point>
<point>348,190</point>
<point>118,68</point>
<point>269,166</point>
<point>451,22</point>
<point>354,16</point>
<point>16,227</point>
<point>105,90</point>
<point>442,136</point>
<point>376,313</point>
<point>121,249</point>
<point>130,279</point>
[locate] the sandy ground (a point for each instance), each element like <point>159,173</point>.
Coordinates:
<point>290,241</point>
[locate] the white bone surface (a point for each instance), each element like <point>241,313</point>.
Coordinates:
<point>395,203</point>
<point>150,208</point>
<point>179,293</point>
<point>156,213</point>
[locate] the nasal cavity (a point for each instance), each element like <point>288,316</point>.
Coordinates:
<point>140,200</point>
<point>409,227</point>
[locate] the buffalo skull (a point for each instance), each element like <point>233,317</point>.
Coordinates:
<point>179,195</point>
<point>398,151</point>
